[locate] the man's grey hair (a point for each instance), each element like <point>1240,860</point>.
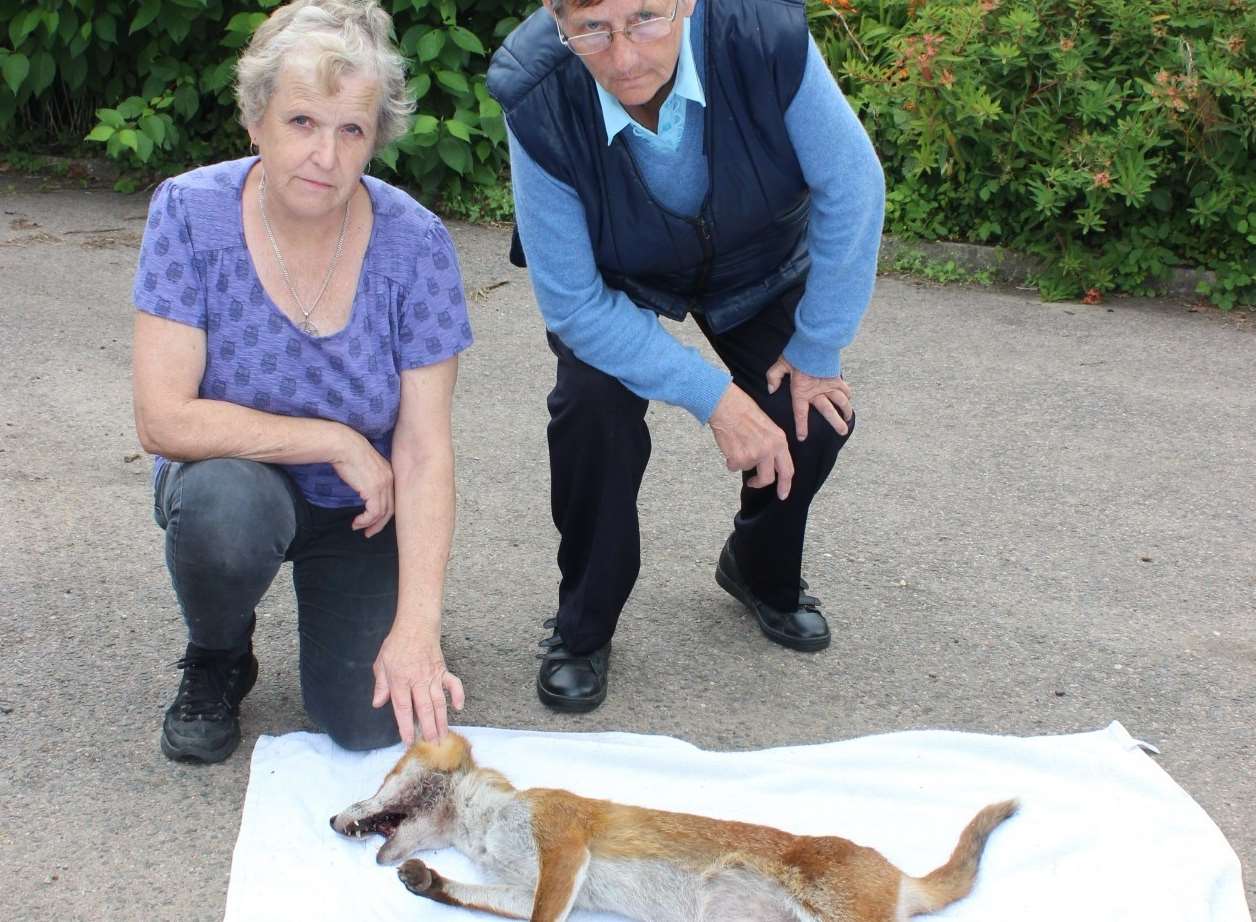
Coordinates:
<point>560,6</point>
<point>341,37</point>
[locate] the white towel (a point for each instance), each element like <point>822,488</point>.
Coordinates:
<point>1103,833</point>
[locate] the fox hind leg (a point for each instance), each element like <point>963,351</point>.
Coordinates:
<point>499,899</point>
<point>736,894</point>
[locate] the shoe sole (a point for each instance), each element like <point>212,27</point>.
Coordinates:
<point>198,754</point>
<point>729,585</point>
<point>566,704</point>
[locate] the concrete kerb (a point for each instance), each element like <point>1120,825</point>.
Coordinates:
<point>1013,268</point>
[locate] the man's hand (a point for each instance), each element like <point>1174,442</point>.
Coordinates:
<point>830,396</point>
<point>410,671</point>
<point>749,439</point>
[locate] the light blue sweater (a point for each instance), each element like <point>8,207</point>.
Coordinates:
<point>608,331</point>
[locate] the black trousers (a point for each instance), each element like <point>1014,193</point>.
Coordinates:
<point>599,446</point>
<point>230,524</point>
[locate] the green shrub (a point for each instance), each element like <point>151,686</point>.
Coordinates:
<point>152,82</point>
<point>1114,138</point>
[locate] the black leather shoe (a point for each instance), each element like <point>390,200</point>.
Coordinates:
<point>571,681</point>
<point>804,628</point>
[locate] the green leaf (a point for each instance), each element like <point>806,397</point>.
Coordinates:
<point>409,42</point>
<point>107,29</point>
<point>101,133</point>
<point>494,129</point>
<point>153,86</point>
<point>457,129</point>
<point>452,57</point>
<point>22,25</point>
<point>452,80</point>
<point>455,154</point>
<point>16,66</point>
<point>186,101</point>
<point>43,70</point>
<point>245,23</point>
<point>419,86</point>
<point>155,127</point>
<point>175,25</point>
<point>144,146</point>
<point>388,156</point>
<point>129,137</point>
<point>131,108</point>
<point>430,45</point>
<point>111,118</point>
<point>74,72</point>
<point>68,27</point>
<point>425,125</point>
<point>489,108</point>
<point>148,12</point>
<point>466,40</point>
<point>220,77</point>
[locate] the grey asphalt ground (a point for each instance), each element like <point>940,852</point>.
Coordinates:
<point>1043,523</point>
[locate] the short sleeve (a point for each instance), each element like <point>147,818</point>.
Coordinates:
<point>433,324</point>
<point>168,281</point>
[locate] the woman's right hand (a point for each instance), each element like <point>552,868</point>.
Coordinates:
<point>371,477</point>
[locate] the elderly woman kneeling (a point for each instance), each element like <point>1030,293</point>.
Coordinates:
<point>295,355</point>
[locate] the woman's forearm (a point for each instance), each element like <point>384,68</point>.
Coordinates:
<point>196,429</point>
<point>424,488</point>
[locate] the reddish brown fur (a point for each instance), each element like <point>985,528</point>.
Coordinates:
<point>832,878</point>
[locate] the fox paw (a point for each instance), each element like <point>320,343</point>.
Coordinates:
<point>421,880</point>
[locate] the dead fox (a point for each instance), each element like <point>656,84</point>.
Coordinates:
<point>555,851</point>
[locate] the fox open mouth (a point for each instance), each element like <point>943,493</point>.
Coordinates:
<point>384,824</point>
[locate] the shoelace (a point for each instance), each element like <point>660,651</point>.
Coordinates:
<point>555,651</point>
<point>202,693</point>
<point>805,599</point>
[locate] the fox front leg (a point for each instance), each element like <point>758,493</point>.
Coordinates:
<point>500,899</point>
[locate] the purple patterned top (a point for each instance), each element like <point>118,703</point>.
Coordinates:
<point>409,311</point>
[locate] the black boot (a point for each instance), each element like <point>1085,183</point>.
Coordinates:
<point>203,723</point>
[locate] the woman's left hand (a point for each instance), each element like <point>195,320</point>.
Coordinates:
<point>410,671</point>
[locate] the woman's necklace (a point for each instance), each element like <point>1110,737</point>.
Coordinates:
<point>305,326</point>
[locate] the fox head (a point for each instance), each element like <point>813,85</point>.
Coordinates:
<point>412,809</point>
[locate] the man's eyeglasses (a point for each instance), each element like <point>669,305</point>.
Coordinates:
<point>640,33</point>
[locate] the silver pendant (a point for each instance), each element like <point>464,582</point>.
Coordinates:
<point>308,328</point>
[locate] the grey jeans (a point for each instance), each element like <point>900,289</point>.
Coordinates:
<point>229,526</point>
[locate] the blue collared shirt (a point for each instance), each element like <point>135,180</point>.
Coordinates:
<point>687,86</point>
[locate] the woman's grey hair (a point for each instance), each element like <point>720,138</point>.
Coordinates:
<point>341,37</point>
